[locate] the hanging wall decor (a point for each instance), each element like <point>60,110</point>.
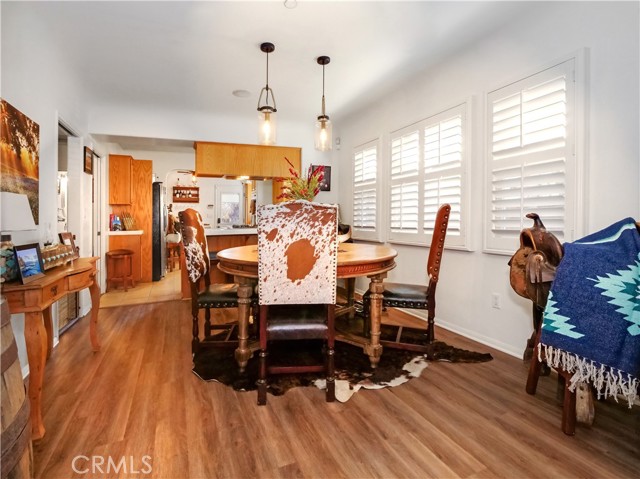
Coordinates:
<point>19,155</point>
<point>88,160</point>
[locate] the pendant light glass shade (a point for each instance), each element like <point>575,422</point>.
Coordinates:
<point>323,123</point>
<point>266,111</point>
<point>323,133</point>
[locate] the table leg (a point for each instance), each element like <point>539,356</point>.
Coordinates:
<point>350,284</point>
<point>245,291</point>
<point>94,289</point>
<point>373,348</point>
<point>36,340</point>
<point>48,326</point>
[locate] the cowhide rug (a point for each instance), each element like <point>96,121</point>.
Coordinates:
<point>353,370</point>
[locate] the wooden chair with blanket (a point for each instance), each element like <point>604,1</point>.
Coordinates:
<point>297,267</point>
<point>416,296</point>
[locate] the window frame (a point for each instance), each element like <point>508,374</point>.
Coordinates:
<point>421,237</point>
<point>575,152</point>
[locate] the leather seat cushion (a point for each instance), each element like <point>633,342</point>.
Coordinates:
<point>219,296</point>
<point>403,295</point>
<point>304,321</point>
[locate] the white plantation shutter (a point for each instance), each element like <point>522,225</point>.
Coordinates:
<point>405,194</point>
<point>443,154</point>
<point>365,187</point>
<point>428,161</point>
<point>531,156</point>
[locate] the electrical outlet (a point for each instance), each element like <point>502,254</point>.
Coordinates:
<point>495,300</point>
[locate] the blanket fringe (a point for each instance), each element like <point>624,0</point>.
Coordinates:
<point>606,380</point>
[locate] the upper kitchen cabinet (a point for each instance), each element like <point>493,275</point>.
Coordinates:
<point>120,179</point>
<point>254,161</point>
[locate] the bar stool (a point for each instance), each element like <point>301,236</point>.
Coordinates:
<point>119,260</point>
<point>173,255</point>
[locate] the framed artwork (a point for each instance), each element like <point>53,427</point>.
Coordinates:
<point>19,155</point>
<point>88,160</point>
<point>29,261</point>
<point>326,181</point>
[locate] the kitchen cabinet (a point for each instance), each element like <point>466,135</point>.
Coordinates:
<point>120,179</point>
<point>253,161</point>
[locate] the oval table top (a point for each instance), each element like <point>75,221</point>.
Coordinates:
<point>354,260</point>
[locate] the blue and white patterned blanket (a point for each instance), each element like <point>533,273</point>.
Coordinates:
<point>591,324</point>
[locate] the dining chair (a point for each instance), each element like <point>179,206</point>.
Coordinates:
<point>205,295</point>
<point>416,296</point>
<point>297,266</point>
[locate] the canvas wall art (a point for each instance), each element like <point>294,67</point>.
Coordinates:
<point>19,155</point>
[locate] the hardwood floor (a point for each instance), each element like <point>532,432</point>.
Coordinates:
<point>137,404</point>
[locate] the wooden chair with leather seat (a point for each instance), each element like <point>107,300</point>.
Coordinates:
<point>205,295</point>
<point>297,261</point>
<point>416,296</point>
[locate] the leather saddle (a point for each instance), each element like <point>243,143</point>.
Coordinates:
<point>533,266</point>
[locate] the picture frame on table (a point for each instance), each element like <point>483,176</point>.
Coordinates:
<point>88,160</point>
<point>29,261</point>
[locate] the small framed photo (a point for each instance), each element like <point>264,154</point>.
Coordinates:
<point>325,185</point>
<point>29,261</point>
<point>88,160</point>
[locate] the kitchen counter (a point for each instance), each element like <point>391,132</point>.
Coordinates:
<point>126,233</point>
<point>230,231</point>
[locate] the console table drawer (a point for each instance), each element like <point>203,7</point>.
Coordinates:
<point>54,291</point>
<point>80,280</point>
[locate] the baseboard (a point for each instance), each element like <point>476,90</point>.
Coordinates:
<point>487,341</point>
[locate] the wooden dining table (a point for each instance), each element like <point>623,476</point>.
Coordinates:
<point>354,260</point>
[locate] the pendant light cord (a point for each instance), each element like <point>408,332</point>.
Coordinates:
<point>267,96</point>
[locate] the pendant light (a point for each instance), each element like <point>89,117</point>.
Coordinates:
<point>266,112</point>
<point>323,124</point>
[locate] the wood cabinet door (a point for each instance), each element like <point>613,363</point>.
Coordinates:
<point>254,161</point>
<point>120,180</point>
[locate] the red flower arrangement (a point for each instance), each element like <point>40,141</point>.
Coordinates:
<point>299,188</point>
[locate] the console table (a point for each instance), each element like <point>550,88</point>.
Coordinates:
<point>34,300</point>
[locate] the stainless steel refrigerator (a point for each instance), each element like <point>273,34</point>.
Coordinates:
<point>158,231</point>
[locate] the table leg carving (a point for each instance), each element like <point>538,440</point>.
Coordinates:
<point>36,340</point>
<point>94,289</point>
<point>245,291</point>
<point>373,348</point>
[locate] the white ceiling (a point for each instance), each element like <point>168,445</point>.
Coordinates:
<point>192,55</point>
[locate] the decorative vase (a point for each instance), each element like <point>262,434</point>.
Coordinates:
<point>8,265</point>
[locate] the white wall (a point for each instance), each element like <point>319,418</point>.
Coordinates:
<point>610,32</point>
<point>35,80</point>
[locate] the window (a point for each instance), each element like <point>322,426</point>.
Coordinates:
<point>365,198</point>
<point>428,163</point>
<point>531,160</point>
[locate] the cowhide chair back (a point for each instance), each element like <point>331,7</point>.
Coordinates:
<point>196,250</point>
<point>297,253</point>
<point>205,295</point>
<point>297,266</point>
